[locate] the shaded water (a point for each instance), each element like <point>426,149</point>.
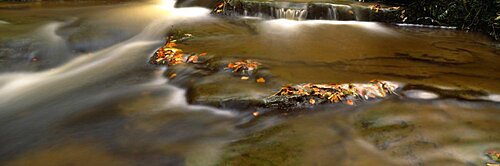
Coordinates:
<point>76,89</point>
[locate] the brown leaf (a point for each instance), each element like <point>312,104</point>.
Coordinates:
<point>192,59</point>
<point>261,80</point>
<point>312,101</point>
<point>173,75</point>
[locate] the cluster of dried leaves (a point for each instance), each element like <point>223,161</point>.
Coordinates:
<point>334,93</point>
<point>170,55</point>
<point>494,155</point>
<point>245,69</point>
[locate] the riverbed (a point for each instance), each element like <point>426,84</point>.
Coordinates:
<point>76,88</point>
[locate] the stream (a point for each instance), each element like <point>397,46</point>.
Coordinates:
<point>76,88</point>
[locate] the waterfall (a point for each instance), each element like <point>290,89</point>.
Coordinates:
<point>339,12</point>
<point>290,14</point>
<point>273,10</point>
<point>332,13</point>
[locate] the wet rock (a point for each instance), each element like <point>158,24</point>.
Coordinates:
<point>197,3</point>
<point>313,94</point>
<point>232,95</point>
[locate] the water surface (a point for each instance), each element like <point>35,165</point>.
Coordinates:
<point>76,89</point>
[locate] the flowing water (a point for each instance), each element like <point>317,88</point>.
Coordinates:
<point>76,89</point>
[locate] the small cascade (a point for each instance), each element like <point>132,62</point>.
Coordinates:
<point>329,11</point>
<point>332,13</point>
<point>339,12</point>
<point>361,13</point>
<point>290,14</point>
<point>268,10</point>
<point>308,11</point>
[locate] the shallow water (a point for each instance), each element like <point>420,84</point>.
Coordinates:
<point>76,89</point>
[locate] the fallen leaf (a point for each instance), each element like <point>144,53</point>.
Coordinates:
<point>312,101</point>
<point>255,113</point>
<point>350,102</point>
<point>230,65</point>
<point>192,59</point>
<point>261,80</point>
<point>173,75</point>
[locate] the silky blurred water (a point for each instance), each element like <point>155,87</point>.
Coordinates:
<point>76,89</point>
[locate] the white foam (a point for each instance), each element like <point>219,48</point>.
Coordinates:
<point>293,24</point>
<point>191,12</point>
<point>4,22</point>
<point>178,99</point>
<point>426,26</point>
<point>420,94</point>
<point>492,97</point>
